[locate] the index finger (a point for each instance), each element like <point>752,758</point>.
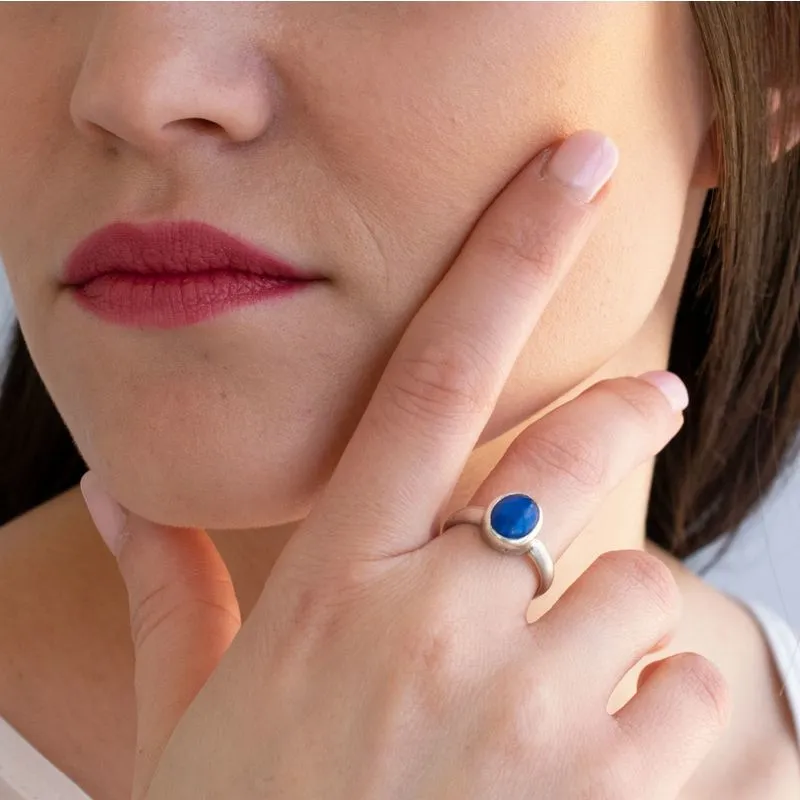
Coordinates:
<point>442,382</point>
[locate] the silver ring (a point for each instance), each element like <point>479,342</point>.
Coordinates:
<point>511,524</point>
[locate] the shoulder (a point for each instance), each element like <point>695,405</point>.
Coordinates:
<point>53,563</point>
<point>776,765</point>
<point>57,580</point>
<point>43,527</point>
<point>763,747</point>
<point>66,675</point>
<point>784,643</point>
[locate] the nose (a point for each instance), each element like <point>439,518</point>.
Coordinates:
<point>158,77</point>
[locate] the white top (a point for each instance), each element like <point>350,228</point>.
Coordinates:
<point>25,774</point>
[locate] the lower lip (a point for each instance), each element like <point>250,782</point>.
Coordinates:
<point>170,300</point>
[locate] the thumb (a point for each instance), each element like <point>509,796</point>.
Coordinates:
<point>183,611</point>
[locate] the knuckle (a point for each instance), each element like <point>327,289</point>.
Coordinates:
<point>635,403</point>
<point>445,380</point>
<point>707,685</point>
<point>326,601</point>
<point>433,639</point>
<point>521,724</point>
<point>614,779</point>
<point>528,249</point>
<point>640,572</point>
<point>152,611</point>
<point>578,459</point>
<point>174,604</point>
<point>305,610</point>
<point>620,773</point>
<point>526,710</point>
<point>432,658</point>
<point>519,734</point>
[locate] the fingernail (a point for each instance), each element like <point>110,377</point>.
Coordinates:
<point>584,162</point>
<point>107,514</point>
<point>670,385</point>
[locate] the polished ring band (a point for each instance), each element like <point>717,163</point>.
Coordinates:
<point>511,524</point>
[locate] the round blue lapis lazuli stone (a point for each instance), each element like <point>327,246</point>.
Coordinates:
<point>514,516</point>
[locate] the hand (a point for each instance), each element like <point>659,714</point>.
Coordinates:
<point>383,661</point>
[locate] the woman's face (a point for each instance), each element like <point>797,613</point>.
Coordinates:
<point>359,140</point>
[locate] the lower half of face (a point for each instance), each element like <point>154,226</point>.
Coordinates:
<point>375,174</point>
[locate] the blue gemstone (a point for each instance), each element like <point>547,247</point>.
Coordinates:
<point>515,516</point>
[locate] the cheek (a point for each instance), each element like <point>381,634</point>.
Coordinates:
<point>619,295</point>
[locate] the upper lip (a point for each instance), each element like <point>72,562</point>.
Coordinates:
<point>170,247</point>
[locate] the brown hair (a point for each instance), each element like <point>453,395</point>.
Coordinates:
<point>737,332</point>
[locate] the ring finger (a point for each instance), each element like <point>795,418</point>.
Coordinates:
<point>568,462</point>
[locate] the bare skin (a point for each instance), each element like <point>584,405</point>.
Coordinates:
<point>384,222</point>
<point>67,685</point>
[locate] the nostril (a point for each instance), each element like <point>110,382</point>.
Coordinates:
<point>202,125</point>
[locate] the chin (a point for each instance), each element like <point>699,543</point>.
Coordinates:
<point>209,482</point>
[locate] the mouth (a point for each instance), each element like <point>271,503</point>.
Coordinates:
<point>168,274</point>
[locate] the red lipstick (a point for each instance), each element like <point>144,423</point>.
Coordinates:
<point>169,274</point>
